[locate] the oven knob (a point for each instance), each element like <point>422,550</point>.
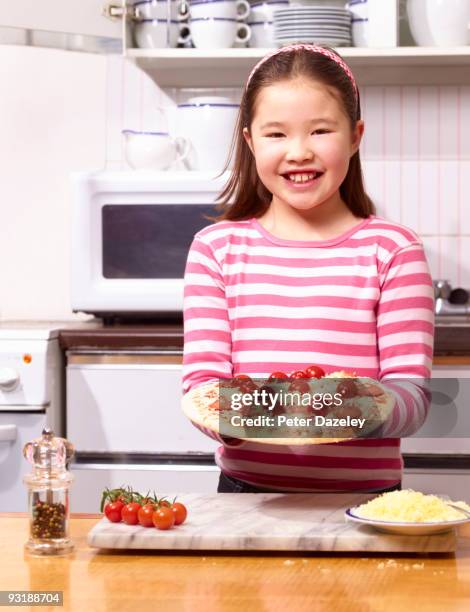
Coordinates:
<point>9,379</point>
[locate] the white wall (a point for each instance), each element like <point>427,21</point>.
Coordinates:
<point>52,122</point>
<point>63,111</point>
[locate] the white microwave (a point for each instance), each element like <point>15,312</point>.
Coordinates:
<point>131,232</point>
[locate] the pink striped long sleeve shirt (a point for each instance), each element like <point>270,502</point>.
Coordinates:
<point>362,302</point>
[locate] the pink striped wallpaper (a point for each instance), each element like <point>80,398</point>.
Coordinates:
<point>416,154</point>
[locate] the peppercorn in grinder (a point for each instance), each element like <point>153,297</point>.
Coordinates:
<point>48,494</point>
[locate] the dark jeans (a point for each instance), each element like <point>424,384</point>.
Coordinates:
<point>228,484</point>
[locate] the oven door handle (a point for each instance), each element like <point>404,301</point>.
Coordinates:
<point>8,433</point>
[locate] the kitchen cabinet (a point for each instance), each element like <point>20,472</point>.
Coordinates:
<point>75,25</point>
<point>76,16</point>
<point>124,418</point>
<point>122,403</point>
<point>83,25</point>
<point>443,445</point>
<point>454,483</point>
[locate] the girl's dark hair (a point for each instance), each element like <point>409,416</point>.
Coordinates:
<point>244,196</point>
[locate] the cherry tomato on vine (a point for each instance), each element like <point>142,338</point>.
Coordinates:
<point>112,511</point>
<point>130,513</point>
<point>163,518</point>
<point>145,514</point>
<point>180,512</point>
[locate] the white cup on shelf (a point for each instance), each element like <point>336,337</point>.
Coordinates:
<point>218,32</point>
<point>231,9</point>
<point>262,35</point>
<point>441,23</point>
<point>156,9</point>
<point>264,10</point>
<point>152,33</point>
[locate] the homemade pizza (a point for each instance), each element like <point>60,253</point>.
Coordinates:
<point>362,406</point>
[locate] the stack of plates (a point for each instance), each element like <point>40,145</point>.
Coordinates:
<point>312,24</point>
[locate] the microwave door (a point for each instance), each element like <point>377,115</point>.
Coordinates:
<point>149,241</point>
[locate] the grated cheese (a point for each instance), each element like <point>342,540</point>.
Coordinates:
<point>410,506</point>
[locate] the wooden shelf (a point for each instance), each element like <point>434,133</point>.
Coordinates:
<point>230,67</point>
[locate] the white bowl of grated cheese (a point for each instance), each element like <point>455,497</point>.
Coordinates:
<point>409,512</point>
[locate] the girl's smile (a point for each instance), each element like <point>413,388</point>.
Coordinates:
<point>302,179</point>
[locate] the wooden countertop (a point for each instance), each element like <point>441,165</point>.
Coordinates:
<point>95,580</point>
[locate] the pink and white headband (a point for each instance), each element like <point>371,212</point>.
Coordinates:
<point>313,49</point>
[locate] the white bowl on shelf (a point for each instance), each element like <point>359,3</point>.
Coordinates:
<point>438,23</point>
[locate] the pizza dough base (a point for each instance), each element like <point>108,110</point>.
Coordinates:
<point>207,395</point>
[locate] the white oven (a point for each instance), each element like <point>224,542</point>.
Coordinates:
<point>125,420</point>
<point>131,232</point>
<point>31,398</point>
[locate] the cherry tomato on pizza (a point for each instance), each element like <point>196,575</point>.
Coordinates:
<point>347,388</point>
<point>298,374</point>
<point>299,385</point>
<point>278,376</point>
<point>314,371</point>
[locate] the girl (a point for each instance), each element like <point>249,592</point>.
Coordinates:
<point>298,270</point>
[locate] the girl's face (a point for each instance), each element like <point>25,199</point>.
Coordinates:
<point>302,142</point>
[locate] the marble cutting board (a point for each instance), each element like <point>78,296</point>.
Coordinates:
<point>268,522</point>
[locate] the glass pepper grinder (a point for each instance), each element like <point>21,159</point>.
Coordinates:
<point>48,494</point>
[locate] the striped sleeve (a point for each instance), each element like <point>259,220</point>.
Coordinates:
<point>405,336</point>
<point>207,337</point>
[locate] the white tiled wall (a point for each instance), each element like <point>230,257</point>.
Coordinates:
<point>63,111</point>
